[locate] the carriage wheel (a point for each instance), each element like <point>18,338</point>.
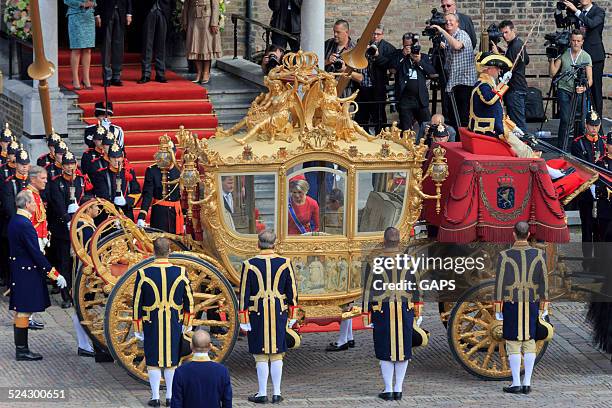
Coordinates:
<point>475,336</point>
<point>212,292</point>
<point>91,292</point>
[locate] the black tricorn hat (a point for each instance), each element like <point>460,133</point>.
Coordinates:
<point>69,158</point>
<point>489,59</point>
<point>22,157</point>
<point>115,151</point>
<point>13,148</point>
<point>61,148</point>
<point>109,139</point>
<point>593,119</point>
<point>100,110</point>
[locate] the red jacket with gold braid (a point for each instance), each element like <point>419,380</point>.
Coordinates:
<point>39,218</point>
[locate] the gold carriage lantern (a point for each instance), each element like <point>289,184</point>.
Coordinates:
<point>190,177</point>
<point>438,170</point>
<point>164,157</point>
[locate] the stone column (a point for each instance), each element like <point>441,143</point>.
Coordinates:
<point>313,28</point>
<point>33,125</point>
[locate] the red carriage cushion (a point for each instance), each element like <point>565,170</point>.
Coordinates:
<point>481,144</point>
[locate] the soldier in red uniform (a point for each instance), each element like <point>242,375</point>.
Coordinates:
<point>37,178</point>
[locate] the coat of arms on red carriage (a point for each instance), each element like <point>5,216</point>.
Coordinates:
<point>505,192</point>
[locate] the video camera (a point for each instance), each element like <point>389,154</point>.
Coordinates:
<point>371,50</point>
<point>561,6</point>
<point>437,19</point>
<point>494,34</point>
<point>570,18</point>
<point>557,43</point>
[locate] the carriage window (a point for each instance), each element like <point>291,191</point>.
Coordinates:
<point>248,202</point>
<point>380,199</point>
<point>316,200</point>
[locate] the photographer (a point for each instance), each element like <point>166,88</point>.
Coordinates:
<point>334,47</point>
<point>514,99</point>
<point>411,70</point>
<point>286,16</point>
<point>273,57</point>
<point>461,69</point>
<point>590,19</point>
<point>373,89</point>
<point>567,86</point>
<point>465,22</point>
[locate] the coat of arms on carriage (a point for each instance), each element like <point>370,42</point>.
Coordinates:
<point>505,192</point>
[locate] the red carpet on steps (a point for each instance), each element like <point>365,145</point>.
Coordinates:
<point>144,111</point>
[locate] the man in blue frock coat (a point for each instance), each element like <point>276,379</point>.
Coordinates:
<point>29,269</point>
<point>201,382</point>
<point>268,299</point>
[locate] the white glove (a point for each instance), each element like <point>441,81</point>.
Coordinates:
<point>141,223</point>
<point>506,77</point>
<point>120,201</point>
<point>61,282</point>
<point>68,224</point>
<point>592,188</point>
<point>371,325</point>
<point>419,321</point>
<point>72,208</point>
<point>499,316</point>
<point>245,327</point>
<point>139,336</point>
<point>187,329</point>
<point>544,313</point>
<point>518,132</point>
<point>291,322</point>
<point>42,243</point>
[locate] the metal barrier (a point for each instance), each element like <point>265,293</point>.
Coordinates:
<point>265,36</point>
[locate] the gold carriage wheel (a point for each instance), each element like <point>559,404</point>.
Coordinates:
<point>475,336</point>
<point>212,292</point>
<point>90,302</point>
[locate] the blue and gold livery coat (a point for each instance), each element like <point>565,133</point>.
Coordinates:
<point>391,311</point>
<point>486,108</point>
<point>521,290</point>
<point>268,297</point>
<point>163,302</point>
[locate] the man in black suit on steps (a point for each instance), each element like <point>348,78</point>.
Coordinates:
<point>591,20</point>
<point>113,16</point>
<point>154,31</point>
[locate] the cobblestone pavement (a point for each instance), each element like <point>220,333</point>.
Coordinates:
<point>571,374</point>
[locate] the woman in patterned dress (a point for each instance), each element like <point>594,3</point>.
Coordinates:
<point>82,35</point>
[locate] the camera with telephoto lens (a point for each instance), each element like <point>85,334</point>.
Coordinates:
<point>494,34</point>
<point>415,48</point>
<point>371,50</point>
<point>557,43</point>
<point>561,5</point>
<point>437,19</point>
<point>273,61</point>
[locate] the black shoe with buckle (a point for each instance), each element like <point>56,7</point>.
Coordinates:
<point>161,79</point>
<point>154,403</point>
<point>34,325</point>
<point>144,80</point>
<point>276,399</point>
<point>387,396</point>
<point>116,82</point>
<point>514,389</point>
<point>336,347</point>
<point>351,343</point>
<point>397,396</point>
<point>257,399</point>
<point>526,389</point>
<point>85,353</point>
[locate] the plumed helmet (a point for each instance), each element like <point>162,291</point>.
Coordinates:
<point>7,134</point>
<point>54,139</point>
<point>69,158</point>
<point>13,148</point>
<point>22,157</point>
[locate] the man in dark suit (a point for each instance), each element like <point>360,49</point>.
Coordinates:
<point>373,87</point>
<point>113,16</point>
<point>286,16</point>
<point>411,72</point>
<point>591,20</point>
<point>154,39</point>
<point>29,270</point>
<point>201,382</point>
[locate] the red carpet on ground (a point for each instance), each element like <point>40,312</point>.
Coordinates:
<point>144,111</point>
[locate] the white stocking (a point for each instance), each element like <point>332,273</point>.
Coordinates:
<point>386,368</point>
<point>349,334</point>
<point>400,373</point>
<point>529,363</point>
<point>168,376</point>
<point>82,339</point>
<point>554,173</point>
<point>276,370</point>
<point>344,327</point>
<point>262,378</point>
<point>515,366</point>
<point>154,381</point>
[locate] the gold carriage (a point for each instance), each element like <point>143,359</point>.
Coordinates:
<point>300,130</point>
